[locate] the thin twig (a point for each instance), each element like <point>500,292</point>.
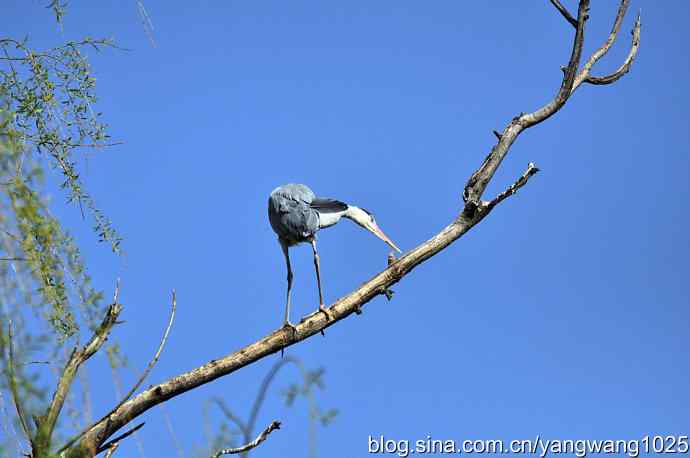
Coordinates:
<point>109,444</point>
<point>259,439</point>
<point>13,383</point>
<point>561,9</point>
<point>36,362</point>
<point>116,294</point>
<point>512,189</point>
<point>146,22</point>
<point>96,145</point>
<point>156,356</point>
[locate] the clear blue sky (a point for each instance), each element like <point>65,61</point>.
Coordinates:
<point>564,314</point>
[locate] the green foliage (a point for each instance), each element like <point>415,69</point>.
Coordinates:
<point>46,119</point>
<point>47,122</point>
<point>51,95</point>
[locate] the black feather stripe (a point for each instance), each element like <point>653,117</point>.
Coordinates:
<point>328,205</point>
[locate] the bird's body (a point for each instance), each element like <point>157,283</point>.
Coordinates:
<point>296,214</point>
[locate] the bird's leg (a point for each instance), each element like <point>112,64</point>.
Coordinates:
<point>286,323</point>
<point>317,265</point>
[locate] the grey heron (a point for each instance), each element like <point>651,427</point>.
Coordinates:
<point>296,215</point>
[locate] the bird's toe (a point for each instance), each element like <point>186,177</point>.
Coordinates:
<point>325,311</point>
<point>291,327</point>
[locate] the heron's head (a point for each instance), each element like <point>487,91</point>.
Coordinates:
<point>365,219</point>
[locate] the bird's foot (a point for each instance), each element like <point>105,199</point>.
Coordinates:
<point>325,311</point>
<point>293,334</point>
<point>291,327</point>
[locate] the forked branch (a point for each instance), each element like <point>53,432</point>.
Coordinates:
<point>474,211</point>
<point>46,423</point>
<point>480,178</point>
<point>627,63</point>
<point>143,376</point>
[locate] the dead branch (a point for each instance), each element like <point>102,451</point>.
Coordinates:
<point>143,376</point>
<point>474,211</point>
<point>531,170</point>
<point>78,357</point>
<point>584,74</point>
<point>259,439</point>
<point>480,179</point>
<point>155,358</point>
<point>627,63</point>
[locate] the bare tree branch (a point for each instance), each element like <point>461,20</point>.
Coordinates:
<point>155,358</point>
<point>561,9</point>
<point>603,49</point>
<point>143,376</point>
<point>474,211</point>
<point>116,441</point>
<point>12,379</point>
<point>531,170</point>
<point>76,359</point>
<point>627,63</point>
<point>480,179</point>
<point>259,439</point>
<point>146,22</point>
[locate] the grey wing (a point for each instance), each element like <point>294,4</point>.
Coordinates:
<point>290,214</point>
<point>323,205</point>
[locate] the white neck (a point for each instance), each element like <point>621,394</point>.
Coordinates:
<point>329,219</point>
<point>353,213</point>
<point>357,215</point>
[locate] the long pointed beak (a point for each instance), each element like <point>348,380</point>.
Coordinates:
<point>379,233</point>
